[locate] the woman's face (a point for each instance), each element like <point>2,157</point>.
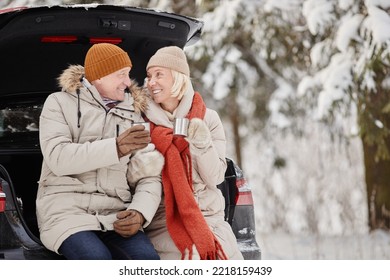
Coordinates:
<point>159,82</point>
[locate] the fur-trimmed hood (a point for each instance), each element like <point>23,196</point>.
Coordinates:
<point>70,81</point>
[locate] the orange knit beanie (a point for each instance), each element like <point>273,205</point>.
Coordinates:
<point>103,59</point>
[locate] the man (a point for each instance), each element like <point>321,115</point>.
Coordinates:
<point>91,155</point>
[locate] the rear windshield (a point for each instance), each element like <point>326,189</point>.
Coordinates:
<point>19,119</point>
<point>19,124</point>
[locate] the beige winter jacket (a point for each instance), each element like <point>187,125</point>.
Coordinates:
<point>83,184</point>
<point>208,171</point>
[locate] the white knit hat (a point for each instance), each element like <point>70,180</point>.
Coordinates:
<point>170,57</point>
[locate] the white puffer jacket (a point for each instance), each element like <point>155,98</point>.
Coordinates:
<point>208,170</point>
<point>83,184</point>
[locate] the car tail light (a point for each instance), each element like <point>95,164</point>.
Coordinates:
<point>2,199</point>
<point>244,194</point>
<point>97,40</point>
<point>72,39</point>
<point>58,39</point>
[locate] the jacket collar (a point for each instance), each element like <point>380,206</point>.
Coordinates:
<point>157,115</point>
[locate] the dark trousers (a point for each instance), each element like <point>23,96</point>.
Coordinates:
<point>96,245</point>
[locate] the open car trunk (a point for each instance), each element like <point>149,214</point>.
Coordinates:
<point>36,45</point>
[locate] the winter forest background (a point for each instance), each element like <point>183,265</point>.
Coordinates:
<point>303,90</point>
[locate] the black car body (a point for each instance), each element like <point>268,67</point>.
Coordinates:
<point>36,45</point>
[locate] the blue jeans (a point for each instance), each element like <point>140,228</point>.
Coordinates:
<point>97,245</point>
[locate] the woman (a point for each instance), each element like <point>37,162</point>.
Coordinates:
<point>189,223</point>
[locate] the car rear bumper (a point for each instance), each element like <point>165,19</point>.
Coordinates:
<point>245,230</point>
<point>249,249</point>
<point>12,254</point>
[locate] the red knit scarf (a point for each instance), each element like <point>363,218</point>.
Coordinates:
<point>185,222</point>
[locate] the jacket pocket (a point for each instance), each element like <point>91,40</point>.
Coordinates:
<point>211,200</point>
<point>65,184</point>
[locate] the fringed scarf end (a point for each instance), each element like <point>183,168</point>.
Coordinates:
<point>219,250</point>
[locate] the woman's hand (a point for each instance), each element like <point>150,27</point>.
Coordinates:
<point>198,134</point>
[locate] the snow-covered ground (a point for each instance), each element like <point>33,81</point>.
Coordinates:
<point>281,246</point>
<point>315,206</point>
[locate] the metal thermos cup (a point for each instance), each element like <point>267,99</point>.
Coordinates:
<point>180,127</point>
<point>145,124</point>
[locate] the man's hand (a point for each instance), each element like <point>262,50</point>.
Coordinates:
<point>132,139</point>
<point>128,223</point>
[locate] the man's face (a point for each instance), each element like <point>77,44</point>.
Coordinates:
<point>113,86</point>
